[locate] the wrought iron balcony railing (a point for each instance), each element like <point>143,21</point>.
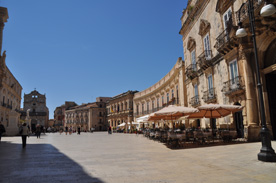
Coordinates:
<point>222,39</point>
<point>195,101</point>
<point>233,86</point>
<point>205,59</point>
<point>209,95</point>
<point>191,71</point>
<point>243,12</point>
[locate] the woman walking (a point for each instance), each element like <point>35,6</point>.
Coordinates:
<point>24,133</point>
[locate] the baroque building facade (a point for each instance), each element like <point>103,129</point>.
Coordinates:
<point>120,109</point>
<point>88,116</point>
<point>38,111</point>
<point>170,90</point>
<point>10,88</point>
<point>220,67</point>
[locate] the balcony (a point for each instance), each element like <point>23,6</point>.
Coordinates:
<point>191,71</point>
<point>209,96</point>
<point>227,40</point>
<point>233,86</point>
<point>205,59</point>
<point>195,101</point>
<point>244,10</point>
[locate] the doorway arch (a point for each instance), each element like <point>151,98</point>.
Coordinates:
<point>238,121</point>
<point>270,78</point>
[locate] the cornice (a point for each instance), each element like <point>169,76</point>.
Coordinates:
<point>157,87</point>
<point>193,17</point>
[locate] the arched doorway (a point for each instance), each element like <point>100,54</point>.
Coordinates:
<point>238,120</point>
<point>33,125</point>
<point>270,61</point>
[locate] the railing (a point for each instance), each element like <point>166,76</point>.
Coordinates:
<point>195,101</point>
<point>205,59</point>
<point>243,12</point>
<point>222,39</point>
<point>209,95</point>
<point>233,85</point>
<point>191,71</point>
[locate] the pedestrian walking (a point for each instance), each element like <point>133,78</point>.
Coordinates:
<point>2,130</point>
<point>79,130</point>
<point>66,130</point>
<point>24,131</point>
<point>38,131</point>
<point>109,130</point>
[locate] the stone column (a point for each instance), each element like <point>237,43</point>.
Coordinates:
<point>252,113</point>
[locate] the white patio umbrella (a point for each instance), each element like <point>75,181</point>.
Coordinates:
<point>121,125</point>
<point>215,111</point>
<point>172,112</point>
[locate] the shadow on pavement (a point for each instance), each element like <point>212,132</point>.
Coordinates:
<point>39,163</point>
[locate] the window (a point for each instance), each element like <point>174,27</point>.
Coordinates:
<point>234,74</point>
<point>210,81</point>
<point>172,94</point>
<point>207,48</point>
<point>226,17</point>
<point>153,105</point>
<point>137,109</point>
<point>168,97</point>
<point>196,89</point>
<point>142,108</point>
<point>233,69</point>
<point>162,100</point>
<point>157,102</point>
<point>193,60</point>
<point>147,106</point>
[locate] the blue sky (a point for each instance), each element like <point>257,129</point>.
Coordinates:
<point>77,50</point>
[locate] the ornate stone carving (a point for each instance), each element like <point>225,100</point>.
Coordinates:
<point>191,43</point>
<point>223,5</point>
<point>204,27</point>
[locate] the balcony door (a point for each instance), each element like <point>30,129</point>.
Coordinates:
<point>227,17</point>
<point>207,49</point>
<point>210,86</point>
<point>193,57</point>
<point>234,74</point>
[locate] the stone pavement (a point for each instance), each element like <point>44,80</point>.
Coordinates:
<point>99,157</point>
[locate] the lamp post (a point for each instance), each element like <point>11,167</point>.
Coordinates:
<point>266,153</point>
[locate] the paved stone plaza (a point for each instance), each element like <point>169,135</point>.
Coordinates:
<point>99,157</point>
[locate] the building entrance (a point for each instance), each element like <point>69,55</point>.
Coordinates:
<point>270,62</point>
<point>271,92</point>
<point>238,118</point>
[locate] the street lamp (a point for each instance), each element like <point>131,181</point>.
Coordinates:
<point>267,153</point>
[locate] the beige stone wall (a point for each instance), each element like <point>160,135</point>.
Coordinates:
<point>220,71</point>
<point>171,85</point>
<point>10,97</point>
<point>193,31</point>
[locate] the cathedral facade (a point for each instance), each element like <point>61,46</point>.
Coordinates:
<point>38,111</point>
